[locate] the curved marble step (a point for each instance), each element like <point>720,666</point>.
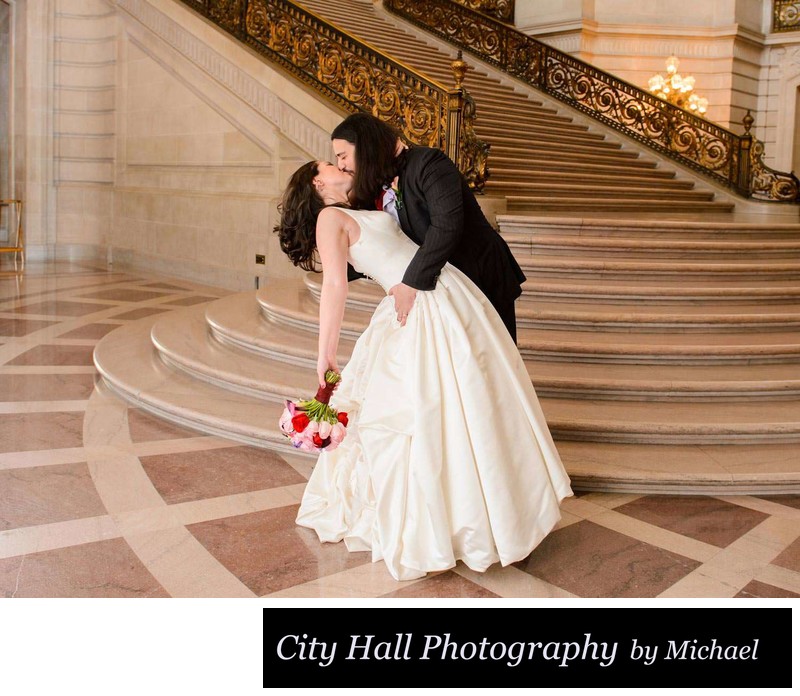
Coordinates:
<point>488,127</point>
<point>763,291</point>
<point>537,140</point>
<point>595,204</point>
<point>237,320</point>
<point>643,167</point>
<point>745,269</point>
<point>521,178</point>
<point>129,364</point>
<point>761,469</point>
<point>185,342</point>
<point>364,295</point>
<point>610,190</point>
<point>131,367</point>
<point>667,423</point>
<point>291,307</point>
<point>622,247</point>
<point>658,229</point>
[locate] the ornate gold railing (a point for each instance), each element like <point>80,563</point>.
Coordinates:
<point>357,76</point>
<point>499,9</point>
<point>733,160</point>
<point>786,15</point>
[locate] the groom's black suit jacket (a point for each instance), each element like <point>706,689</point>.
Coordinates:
<point>440,213</point>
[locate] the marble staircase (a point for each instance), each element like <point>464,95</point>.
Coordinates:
<point>697,391</point>
<point>543,157</point>
<point>665,352</point>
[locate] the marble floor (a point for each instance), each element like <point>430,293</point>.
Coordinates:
<point>100,499</point>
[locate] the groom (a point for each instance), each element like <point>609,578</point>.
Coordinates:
<point>434,207</point>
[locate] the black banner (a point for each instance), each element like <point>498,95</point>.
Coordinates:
<point>497,647</point>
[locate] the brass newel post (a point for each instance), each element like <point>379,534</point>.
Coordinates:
<point>455,109</point>
<point>744,179</point>
<point>460,68</point>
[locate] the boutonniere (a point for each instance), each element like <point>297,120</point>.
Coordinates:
<point>398,194</point>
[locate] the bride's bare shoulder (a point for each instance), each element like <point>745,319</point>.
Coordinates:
<point>333,215</point>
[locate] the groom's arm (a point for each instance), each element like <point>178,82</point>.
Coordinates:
<point>440,183</point>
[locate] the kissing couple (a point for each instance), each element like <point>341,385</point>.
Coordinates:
<point>448,456</point>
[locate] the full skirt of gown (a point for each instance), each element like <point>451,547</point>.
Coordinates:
<point>447,455</point>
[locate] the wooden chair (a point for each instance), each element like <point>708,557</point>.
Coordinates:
<point>18,249</point>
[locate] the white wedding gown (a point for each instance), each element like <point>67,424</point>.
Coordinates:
<point>447,455</point>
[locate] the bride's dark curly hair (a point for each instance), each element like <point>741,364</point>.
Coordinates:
<point>299,209</point>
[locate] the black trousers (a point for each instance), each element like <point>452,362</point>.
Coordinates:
<point>509,317</point>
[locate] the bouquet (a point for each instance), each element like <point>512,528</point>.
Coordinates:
<point>313,426</point>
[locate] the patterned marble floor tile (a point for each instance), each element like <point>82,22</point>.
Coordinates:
<point>145,427</point>
<point>61,308</point>
<point>46,494</point>
<point>790,557</point>
<point>140,313</point>
<point>90,331</point>
<point>46,387</point>
<point>792,501</point>
<point>164,286</point>
<point>712,521</point>
<point>14,328</point>
<point>124,295</point>
<point>189,301</point>
<point>23,432</point>
<point>99,569</point>
<point>185,476</point>
<point>447,584</point>
<point>268,552</point>
<point>55,355</point>
<point>762,589</point>
<point>592,561</point>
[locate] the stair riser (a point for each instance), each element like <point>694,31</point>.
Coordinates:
<point>750,300</point>
<point>567,435</point>
<point>485,131</point>
<point>745,358</point>
<point>652,232</point>
<point>543,124</point>
<point>547,163</point>
<point>574,192</point>
<point>511,178</point>
<point>609,326</point>
<point>619,206</point>
<point>647,395</point>
<point>542,274</point>
<point>537,139</point>
<point>689,255</point>
<point>577,153</point>
<point>543,389</point>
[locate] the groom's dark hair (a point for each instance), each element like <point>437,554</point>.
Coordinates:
<point>375,142</point>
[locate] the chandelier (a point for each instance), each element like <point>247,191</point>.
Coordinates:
<point>677,89</point>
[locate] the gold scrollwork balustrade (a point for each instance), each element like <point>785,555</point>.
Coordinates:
<point>356,76</point>
<point>499,9</point>
<point>733,160</point>
<point>786,15</point>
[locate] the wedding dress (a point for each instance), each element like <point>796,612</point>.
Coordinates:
<point>447,455</point>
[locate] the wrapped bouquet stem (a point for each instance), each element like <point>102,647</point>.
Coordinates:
<point>314,425</point>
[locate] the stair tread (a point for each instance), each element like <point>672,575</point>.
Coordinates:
<point>689,416</point>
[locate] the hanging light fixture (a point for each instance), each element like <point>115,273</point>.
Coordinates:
<point>678,90</point>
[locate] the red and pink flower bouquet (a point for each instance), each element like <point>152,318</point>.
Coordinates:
<point>313,426</point>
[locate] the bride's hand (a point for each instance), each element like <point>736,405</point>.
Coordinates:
<point>323,365</point>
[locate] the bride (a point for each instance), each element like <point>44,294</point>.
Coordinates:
<point>447,456</point>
